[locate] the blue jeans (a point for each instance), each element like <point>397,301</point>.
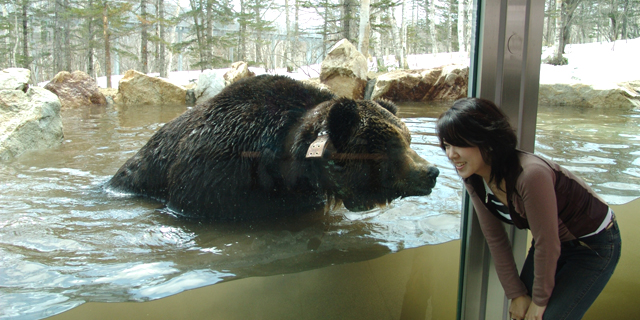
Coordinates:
<point>583,271</point>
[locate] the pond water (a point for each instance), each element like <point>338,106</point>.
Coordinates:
<point>65,241</point>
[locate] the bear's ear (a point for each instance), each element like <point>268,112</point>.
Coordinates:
<point>390,106</point>
<point>342,120</point>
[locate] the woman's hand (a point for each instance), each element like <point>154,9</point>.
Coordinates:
<point>519,307</point>
<point>535,312</point>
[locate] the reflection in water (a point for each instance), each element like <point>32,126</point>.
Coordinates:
<point>64,241</point>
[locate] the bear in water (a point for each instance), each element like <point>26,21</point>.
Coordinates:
<point>269,146</point>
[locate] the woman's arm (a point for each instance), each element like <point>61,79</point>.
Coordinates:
<point>500,247</point>
<point>536,186</point>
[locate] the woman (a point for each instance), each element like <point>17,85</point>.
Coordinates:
<point>576,240</point>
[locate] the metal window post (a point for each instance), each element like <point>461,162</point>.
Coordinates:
<point>505,68</point>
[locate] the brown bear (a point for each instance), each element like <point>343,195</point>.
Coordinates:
<point>269,146</point>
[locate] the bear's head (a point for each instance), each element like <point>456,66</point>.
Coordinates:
<point>361,153</point>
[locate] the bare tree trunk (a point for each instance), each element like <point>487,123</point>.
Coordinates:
<point>56,46</point>
<point>625,21</point>
<point>7,40</point>
<point>90,70</point>
<point>161,55</point>
<point>550,19</point>
<point>258,42</point>
<point>198,28</point>
<point>107,53</point>
<point>296,34</point>
<point>469,24</point>
<point>67,38</point>
<point>566,9</point>
<point>403,37</point>
<point>242,47</point>
<point>396,36</point>
<point>614,17</point>
<point>559,35</point>
<point>347,15</point>
<point>295,51</point>
<point>363,32</point>
<point>144,38</point>
<point>376,38</point>
<point>209,34</point>
<point>14,51</point>
<point>461,19</point>
<point>173,38</point>
<point>450,27</point>
<point>287,43</point>
<point>25,35</point>
<point>432,26</point>
<point>325,28</point>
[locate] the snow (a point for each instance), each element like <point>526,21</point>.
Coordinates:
<point>600,63</point>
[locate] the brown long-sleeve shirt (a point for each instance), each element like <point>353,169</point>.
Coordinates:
<point>554,204</point>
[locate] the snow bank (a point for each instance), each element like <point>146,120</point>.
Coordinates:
<point>589,63</point>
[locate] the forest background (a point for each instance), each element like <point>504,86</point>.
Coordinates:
<point>105,37</point>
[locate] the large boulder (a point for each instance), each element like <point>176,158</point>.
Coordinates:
<point>15,79</point>
<point>344,70</point>
<point>136,88</point>
<point>632,86</point>
<point>445,83</point>
<point>76,89</point>
<point>588,95</point>
<point>28,120</point>
<point>210,83</point>
<point>239,70</point>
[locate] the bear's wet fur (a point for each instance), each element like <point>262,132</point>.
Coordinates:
<point>243,154</point>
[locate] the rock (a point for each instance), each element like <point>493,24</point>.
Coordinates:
<point>190,99</point>
<point>210,83</point>
<point>446,83</point>
<point>15,79</point>
<point>28,120</point>
<point>76,89</point>
<point>585,95</point>
<point>239,70</point>
<point>344,70</point>
<point>136,88</point>
<point>109,94</point>
<point>631,85</point>
<point>316,83</point>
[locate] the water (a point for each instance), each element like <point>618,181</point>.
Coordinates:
<point>64,241</point>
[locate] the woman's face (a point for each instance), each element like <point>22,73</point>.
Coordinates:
<point>468,161</point>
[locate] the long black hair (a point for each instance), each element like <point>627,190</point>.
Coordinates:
<point>475,122</point>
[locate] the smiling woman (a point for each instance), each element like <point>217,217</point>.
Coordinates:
<point>562,212</point>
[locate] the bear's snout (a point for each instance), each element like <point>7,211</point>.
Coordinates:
<point>420,181</point>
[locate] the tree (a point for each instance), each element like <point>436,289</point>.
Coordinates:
<point>462,44</point>
<point>347,19</point>
<point>431,17</point>
<point>364,28</point>
<point>25,61</point>
<point>566,9</point>
<point>112,20</point>
<point>208,15</point>
<point>331,27</point>
<point>144,37</point>
<point>161,22</point>
<point>107,42</point>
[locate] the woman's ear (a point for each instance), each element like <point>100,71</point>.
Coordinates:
<point>343,119</point>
